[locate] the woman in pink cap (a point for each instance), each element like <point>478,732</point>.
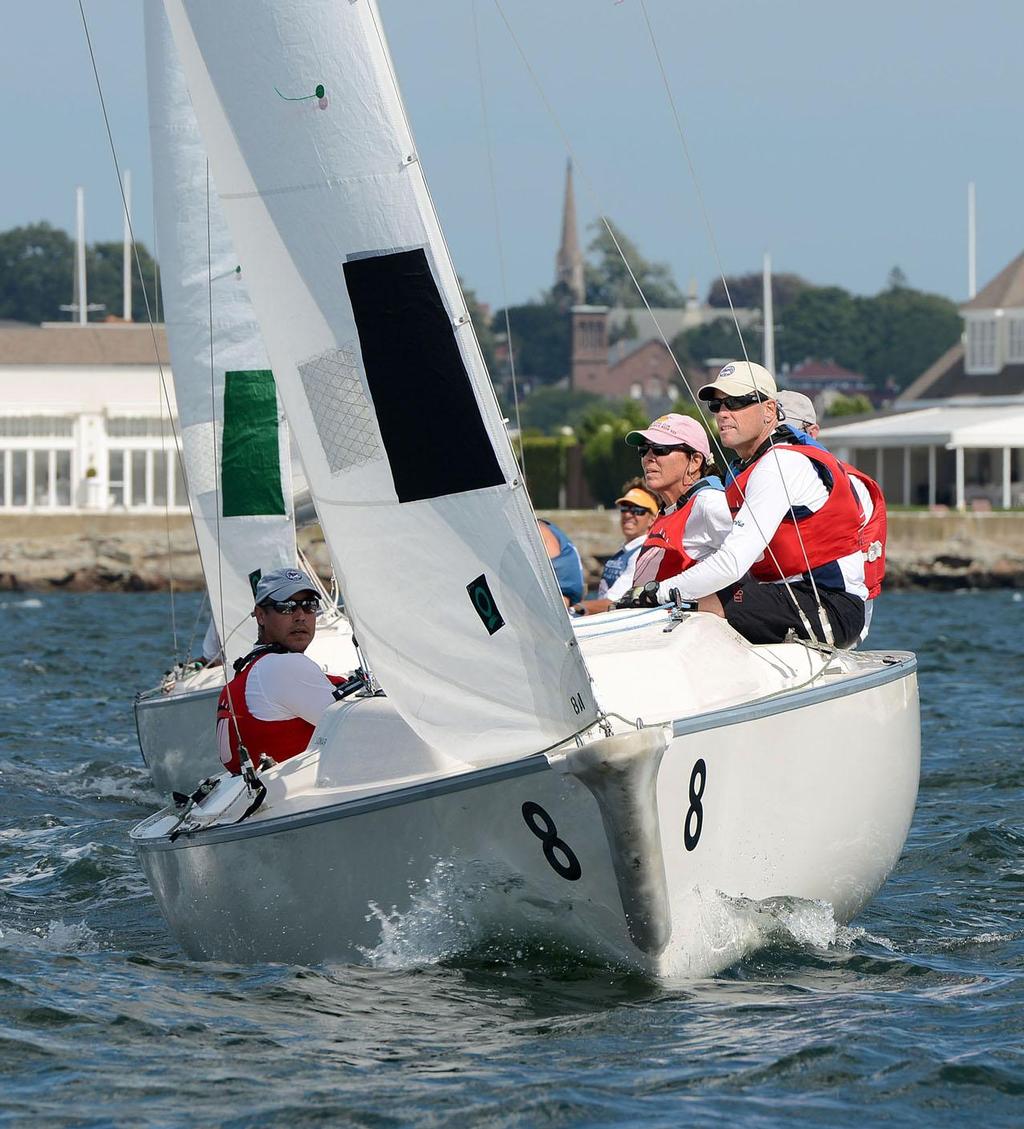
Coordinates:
<point>676,458</point>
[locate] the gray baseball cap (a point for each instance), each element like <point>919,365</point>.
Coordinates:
<point>283,583</point>
<point>799,409</point>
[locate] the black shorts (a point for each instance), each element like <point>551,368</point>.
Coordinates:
<point>764,613</point>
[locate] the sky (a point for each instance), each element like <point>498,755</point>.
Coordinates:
<point>838,137</point>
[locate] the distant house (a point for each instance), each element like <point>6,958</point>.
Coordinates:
<point>83,419</point>
<point>813,377</point>
<point>989,361</point>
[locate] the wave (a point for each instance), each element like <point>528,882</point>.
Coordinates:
<point>55,937</point>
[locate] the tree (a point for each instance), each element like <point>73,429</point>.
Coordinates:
<point>480,316</point>
<point>607,459</point>
<point>824,322</point>
<point>541,340</point>
<point>904,332</point>
<point>717,340</point>
<point>608,281</point>
<point>37,267</point>
<point>850,406</point>
<point>36,272</point>
<point>548,409</point>
<point>747,290</point>
<point>104,263</point>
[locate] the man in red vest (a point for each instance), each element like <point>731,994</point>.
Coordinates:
<point>796,526</point>
<point>277,696</point>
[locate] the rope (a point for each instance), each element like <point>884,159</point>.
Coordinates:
<point>498,236</point>
<point>657,325</point>
<point>145,296</point>
<point>823,618</point>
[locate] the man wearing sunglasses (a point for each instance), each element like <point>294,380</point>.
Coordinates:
<point>796,518</point>
<point>277,696</point>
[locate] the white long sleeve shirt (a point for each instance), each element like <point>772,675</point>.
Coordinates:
<point>780,480</point>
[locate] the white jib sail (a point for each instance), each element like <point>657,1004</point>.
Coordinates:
<point>235,442</point>
<point>432,535</point>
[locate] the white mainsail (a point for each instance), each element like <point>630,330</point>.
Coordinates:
<point>227,406</point>
<point>430,528</point>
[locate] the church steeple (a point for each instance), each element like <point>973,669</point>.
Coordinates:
<point>569,260</point>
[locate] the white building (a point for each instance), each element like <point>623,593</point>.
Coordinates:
<point>85,419</point>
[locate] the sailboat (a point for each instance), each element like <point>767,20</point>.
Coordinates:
<point>244,493</point>
<point>621,786</point>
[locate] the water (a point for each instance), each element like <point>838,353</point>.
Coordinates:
<point>914,1015</point>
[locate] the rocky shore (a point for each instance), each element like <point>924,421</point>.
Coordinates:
<point>121,553</point>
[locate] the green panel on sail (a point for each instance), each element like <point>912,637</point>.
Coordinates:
<point>250,455</point>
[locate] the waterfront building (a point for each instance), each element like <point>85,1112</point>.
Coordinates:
<point>86,421</point>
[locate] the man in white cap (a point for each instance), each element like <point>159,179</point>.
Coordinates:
<point>796,526</point>
<point>277,696</point>
<point>798,411</point>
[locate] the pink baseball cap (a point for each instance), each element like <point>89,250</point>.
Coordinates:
<point>673,430</point>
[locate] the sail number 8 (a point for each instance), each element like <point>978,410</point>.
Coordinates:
<point>693,824</point>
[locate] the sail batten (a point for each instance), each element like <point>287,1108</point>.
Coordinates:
<point>428,523</point>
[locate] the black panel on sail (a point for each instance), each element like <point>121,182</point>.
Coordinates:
<point>428,416</point>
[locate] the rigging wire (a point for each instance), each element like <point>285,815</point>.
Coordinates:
<point>145,294</point>
<point>497,231</point>
<point>823,618</point>
<point>826,626</point>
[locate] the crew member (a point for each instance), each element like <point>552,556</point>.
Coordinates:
<point>565,560</point>
<point>638,508</point>
<point>278,695</point>
<point>694,520</point>
<point>796,519</point>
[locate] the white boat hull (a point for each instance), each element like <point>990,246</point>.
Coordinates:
<point>803,796</point>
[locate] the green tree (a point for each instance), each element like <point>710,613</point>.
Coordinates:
<point>541,340</point>
<point>850,406</point>
<point>904,332</point>
<point>607,459</point>
<point>608,281</point>
<point>36,272</point>
<point>37,266</point>
<point>548,409</point>
<point>824,322</point>
<point>747,290</point>
<point>104,263</point>
<point>716,339</point>
<point>480,316</point>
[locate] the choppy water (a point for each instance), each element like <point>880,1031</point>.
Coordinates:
<point>913,1016</point>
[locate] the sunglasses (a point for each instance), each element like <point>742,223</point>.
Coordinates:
<point>636,511</point>
<point>733,403</point>
<point>290,607</point>
<point>660,452</point>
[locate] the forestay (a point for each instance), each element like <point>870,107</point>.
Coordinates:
<point>431,531</point>
<point>236,450</point>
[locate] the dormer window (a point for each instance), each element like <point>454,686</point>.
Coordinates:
<point>982,342</point>
<point>1015,339</point>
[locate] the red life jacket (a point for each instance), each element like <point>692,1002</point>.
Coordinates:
<point>279,740</point>
<point>666,537</point>
<point>873,533</point>
<point>823,537</point>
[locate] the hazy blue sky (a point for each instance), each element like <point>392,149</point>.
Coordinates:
<point>840,136</point>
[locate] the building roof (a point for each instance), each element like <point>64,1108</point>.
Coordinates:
<point>1004,292</point>
<point>947,377</point>
<point>950,425</point>
<point>813,369</point>
<point>93,344</point>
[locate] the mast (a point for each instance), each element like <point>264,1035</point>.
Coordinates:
<point>126,260</point>
<point>82,298</point>
<point>768,316</point>
<point>972,244</point>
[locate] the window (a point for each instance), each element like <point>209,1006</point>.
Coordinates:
<point>981,346</point>
<point>1015,342</point>
<point>63,476</point>
<point>138,462</point>
<point>180,497</point>
<point>159,478</point>
<point>115,478</point>
<point>41,478</point>
<point>137,427</point>
<point>19,477</point>
<point>37,426</point>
